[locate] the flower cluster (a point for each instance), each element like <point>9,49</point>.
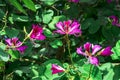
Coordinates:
<point>15,44</point>
<point>91,51</point>
<point>69,27</point>
<point>115,20</point>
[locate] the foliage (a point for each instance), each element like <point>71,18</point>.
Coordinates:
<point>35,62</point>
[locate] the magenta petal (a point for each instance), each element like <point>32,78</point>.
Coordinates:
<point>80,51</point>
<point>87,46</point>
<point>59,31</point>
<point>56,69</point>
<point>94,61</point>
<point>114,19</point>
<point>95,49</point>
<point>109,1</point>
<point>9,42</point>
<point>37,33</point>
<point>106,52</point>
<point>67,23</point>
<point>21,49</point>
<point>41,37</point>
<point>60,26</point>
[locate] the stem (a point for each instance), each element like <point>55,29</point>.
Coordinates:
<point>68,43</point>
<point>90,72</point>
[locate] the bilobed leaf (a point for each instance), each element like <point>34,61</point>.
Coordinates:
<point>17,5</point>
<point>94,27</point>
<point>56,43</point>
<point>47,16</point>
<point>49,2</point>
<point>3,55</point>
<point>29,4</point>
<point>11,32</point>
<point>116,51</point>
<point>55,20</point>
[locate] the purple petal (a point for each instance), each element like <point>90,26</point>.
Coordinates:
<point>59,31</point>
<point>107,51</point>
<point>37,33</point>
<point>67,23</point>
<point>114,19</point>
<point>21,49</point>
<point>109,1</point>
<point>94,61</point>
<point>9,42</point>
<point>95,49</point>
<point>40,37</point>
<point>87,46</point>
<point>56,69</point>
<point>75,1</point>
<point>80,51</point>
<point>60,26</point>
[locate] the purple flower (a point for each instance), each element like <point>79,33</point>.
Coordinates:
<point>56,69</point>
<point>37,33</point>
<point>106,52</point>
<point>15,44</point>
<point>68,27</point>
<point>109,1</point>
<point>115,20</point>
<point>75,1</point>
<point>89,50</point>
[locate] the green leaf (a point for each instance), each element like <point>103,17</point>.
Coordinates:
<point>48,71</point>
<point>107,70</point>
<point>13,54</point>
<point>55,20</point>
<point>94,27</point>
<point>18,18</point>
<point>17,5</point>
<point>11,32</point>
<point>49,2</point>
<point>88,22</point>
<point>116,51</point>
<point>47,32</point>
<point>3,55</point>
<point>1,14</point>
<point>29,4</point>
<point>47,16</point>
<point>56,43</point>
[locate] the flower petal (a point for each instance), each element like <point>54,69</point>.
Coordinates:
<point>87,46</point>
<point>9,42</point>
<point>106,52</point>
<point>21,49</point>
<point>56,69</point>
<point>80,51</point>
<point>95,49</point>
<point>94,61</point>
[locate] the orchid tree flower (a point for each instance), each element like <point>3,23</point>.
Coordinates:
<point>75,1</point>
<point>68,27</point>
<point>56,69</point>
<point>37,33</point>
<point>115,20</point>
<point>15,44</point>
<point>91,51</point>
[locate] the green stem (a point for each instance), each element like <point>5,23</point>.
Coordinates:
<point>68,43</point>
<point>90,72</point>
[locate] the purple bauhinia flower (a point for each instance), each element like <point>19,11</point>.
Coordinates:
<point>115,20</point>
<point>109,1</point>
<point>75,1</point>
<point>56,69</point>
<point>106,52</point>
<point>92,51</point>
<point>15,44</point>
<point>68,27</point>
<point>89,50</point>
<point>37,33</point>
